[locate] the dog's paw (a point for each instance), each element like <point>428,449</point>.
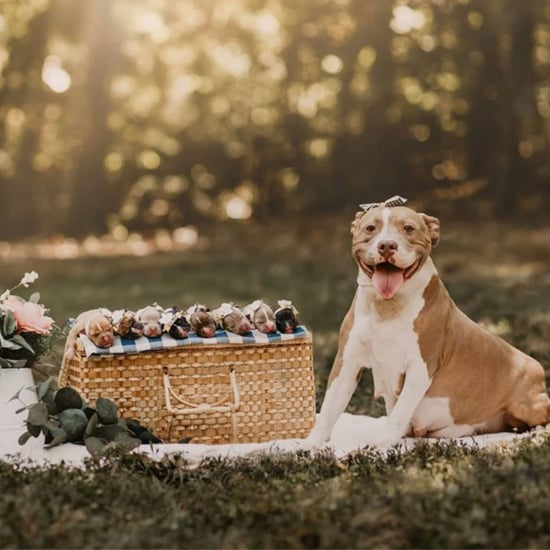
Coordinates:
<point>312,442</point>
<point>386,437</point>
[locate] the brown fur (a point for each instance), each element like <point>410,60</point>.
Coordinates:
<point>486,379</point>
<point>95,325</point>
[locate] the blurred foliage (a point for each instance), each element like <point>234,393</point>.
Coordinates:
<point>121,116</point>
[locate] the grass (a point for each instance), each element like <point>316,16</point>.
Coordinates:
<point>437,495</point>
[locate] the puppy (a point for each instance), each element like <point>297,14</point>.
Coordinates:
<point>150,317</point>
<point>175,323</point>
<point>202,321</point>
<point>261,316</point>
<point>232,319</point>
<point>126,325</point>
<point>286,317</point>
<point>96,325</point>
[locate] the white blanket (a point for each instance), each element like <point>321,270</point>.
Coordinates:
<point>351,433</point>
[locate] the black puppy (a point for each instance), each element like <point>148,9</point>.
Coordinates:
<point>175,323</point>
<point>286,317</point>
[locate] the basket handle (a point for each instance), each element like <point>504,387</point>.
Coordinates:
<point>218,406</point>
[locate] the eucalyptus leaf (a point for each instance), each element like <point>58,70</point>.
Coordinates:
<point>9,324</point>
<point>43,387</point>
<point>59,437</point>
<point>92,425</point>
<point>11,343</point>
<point>38,414</point>
<point>21,342</point>
<point>23,438</point>
<point>106,410</point>
<point>34,430</point>
<point>16,396</point>
<point>51,425</point>
<point>95,445</point>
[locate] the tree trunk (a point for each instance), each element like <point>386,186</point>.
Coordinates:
<point>90,202</point>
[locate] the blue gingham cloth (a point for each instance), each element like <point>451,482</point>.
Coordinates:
<point>122,345</point>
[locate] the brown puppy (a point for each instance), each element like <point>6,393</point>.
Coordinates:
<point>440,373</point>
<point>96,325</point>
<point>261,316</point>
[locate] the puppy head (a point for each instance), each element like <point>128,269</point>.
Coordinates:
<point>263,318</point>
<point>286,317</point>
<point>126,325</point>
<point>150,317</point>
<point>99,330</point>
<point>202,321</point>
<point>390,245</point>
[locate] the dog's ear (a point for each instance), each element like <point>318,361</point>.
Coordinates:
<point>433,228</point>
<point>354,223</point>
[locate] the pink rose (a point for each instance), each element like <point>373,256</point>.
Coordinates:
<point>30,317</point>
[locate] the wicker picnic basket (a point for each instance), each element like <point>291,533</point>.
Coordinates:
<point>216,393</point>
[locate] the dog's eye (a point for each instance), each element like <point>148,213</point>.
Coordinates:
<point>370,228</point>
<point>408,228</point>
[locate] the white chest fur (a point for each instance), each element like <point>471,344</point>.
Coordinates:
<point>386,336</point>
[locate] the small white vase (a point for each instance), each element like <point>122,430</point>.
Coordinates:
<point>12,425</point>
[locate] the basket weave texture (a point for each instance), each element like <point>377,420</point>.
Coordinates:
<point>220,393</point>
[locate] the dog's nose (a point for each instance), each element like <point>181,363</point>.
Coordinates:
<point>387,248</point>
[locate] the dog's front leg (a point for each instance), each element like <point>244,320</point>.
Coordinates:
<point>416,383</point>
<point>342,382</point>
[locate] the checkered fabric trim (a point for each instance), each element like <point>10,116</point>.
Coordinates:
<point>164,341</point>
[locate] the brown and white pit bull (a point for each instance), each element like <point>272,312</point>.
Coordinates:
<point>440,374</point>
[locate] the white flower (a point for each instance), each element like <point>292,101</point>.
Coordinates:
<point>28,278</point>
<point>4,296</point>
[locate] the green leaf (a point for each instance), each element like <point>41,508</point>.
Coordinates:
<point>59,437</point>
<point>95,445</point>
<point>92,425</point>
<point>16,395</point>
<point>23,438</point>
<point>9,324</point>
<point>8,343</point>
<point>18,339</point>
<point>43,387</point>
<point>38,414</point>
<point>4,362</point>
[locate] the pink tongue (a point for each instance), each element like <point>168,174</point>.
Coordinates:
<point>387,282</point>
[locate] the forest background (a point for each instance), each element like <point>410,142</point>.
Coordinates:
<point>130,121</point>
<point>214,150</point>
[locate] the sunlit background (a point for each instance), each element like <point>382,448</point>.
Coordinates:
<point>127,125</point>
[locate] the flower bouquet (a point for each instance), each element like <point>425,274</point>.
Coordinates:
<point>25,329</point>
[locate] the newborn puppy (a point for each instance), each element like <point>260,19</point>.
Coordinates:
<point>286,317</point>
<point>150,318</point>
<point>261,316</point>
<point>175,323</point>
<point>202,321</point>
<point>126,325</point>
<point>232,319</point>
<point>96,325</point>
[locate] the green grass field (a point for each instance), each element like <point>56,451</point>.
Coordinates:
<point>439,495</point>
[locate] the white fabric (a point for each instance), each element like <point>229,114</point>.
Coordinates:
<point>351,433</point>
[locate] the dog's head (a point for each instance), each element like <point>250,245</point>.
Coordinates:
<point>99,330</point>
<point>150,317</point>
<point>261,316</point>
<point>390,245</point>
